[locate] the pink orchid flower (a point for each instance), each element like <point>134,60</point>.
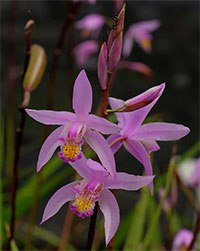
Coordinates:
<point>95,188</point>
<point>75,126</point>
<point>83,51</point>
<point>138,139</point>
<point>182,240</point>
<point>91,25</point>
<point>140,33</point>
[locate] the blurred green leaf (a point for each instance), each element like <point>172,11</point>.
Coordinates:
<point>13,246</point>
<point>136,229</point>
<point>122,231</point>
<point>25,194</point>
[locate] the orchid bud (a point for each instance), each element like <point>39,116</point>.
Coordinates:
<point>103,66</point>
<point>29,26</point>
<point>120,21</point>
<point>136,66</point>
<point>118,4</point>
<point>143,99</point>
<point>117,27</point>
<point>35,69</point>
<point>115,53</point>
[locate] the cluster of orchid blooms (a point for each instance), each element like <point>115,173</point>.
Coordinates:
<point>81,127</point>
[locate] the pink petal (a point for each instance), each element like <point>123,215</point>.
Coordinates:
<point>82,96</point>
<point>115,104</point>
<point>150,25</point>
<point>161,131</point>
<point>102,125</point>
<point>51,117</point>
<point>110,209</point>
<point>138,151</point>
<point>103,66</point>
<point>136,66</point>
<point>84,51</point>
<point>134,119</point>
<point>182,239</point>
<point>128,181</point>
<point>150,145</point>
<point>102,149</point>
<point>81,167</point>
<point>97,171</point>
<point>128,44</point>
<point>59,198</point>
<point>115,53</point>
<point>48,148</point>
<point>115,142</point>
<point>91,22</point>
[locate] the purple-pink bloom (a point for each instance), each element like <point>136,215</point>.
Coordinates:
<point>182,240</point>
<point>91,24</point>
<point>141,33</point>
<point>75,126</point>
<point>138,139</point>
<point>95,187</point>
<point>83,51</point>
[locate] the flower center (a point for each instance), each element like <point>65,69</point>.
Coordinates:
<point>146,44</point>
<point>71,142</point>
<point>70,150</point>
<point>84,203</point>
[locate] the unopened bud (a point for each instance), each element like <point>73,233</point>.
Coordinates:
<point>143,99</point>
<point>115,53</point>
<point>103,66</point>
<point>35,69</point>
<point>29,26</point>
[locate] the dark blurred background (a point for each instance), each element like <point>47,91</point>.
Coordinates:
<point>174,60</point>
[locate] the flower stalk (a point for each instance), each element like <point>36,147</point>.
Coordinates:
<point>18,143</point>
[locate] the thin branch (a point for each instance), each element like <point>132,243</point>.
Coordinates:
<point>92,226</point>
<point>195,232</point>
<point>18,143</point>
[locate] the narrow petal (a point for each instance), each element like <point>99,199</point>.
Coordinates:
<point>134,119</point>
<point>91,22</point>
<point>110,209</point>
<point>60,197</point>
<point>82,95</point>
<point>115,53</point>
<point>48,148</point>
<point>136,66</point>
<point>128,44</point>
<point>51,117</point>
<point>115,142</point>
<point>102,125</point>
<point>84,51</point>
<point>97,171</point>
<point>81,167</point>
<point>150,145</point>
<point>128,181</point>
<point>138,151</point>
<point>103,66</point>
<point>102,149</point>
<point>161,131</point>
<point>115,104</point>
